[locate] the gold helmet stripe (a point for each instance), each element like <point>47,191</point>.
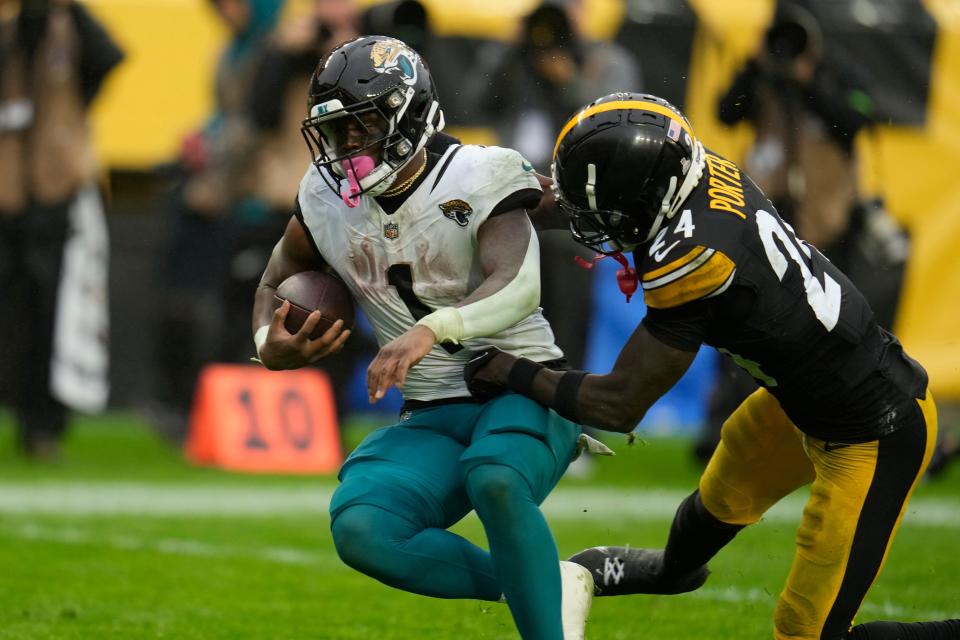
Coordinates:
<point>623,104</point>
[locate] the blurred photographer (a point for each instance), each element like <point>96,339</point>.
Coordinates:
<point>530,91</point>
<point>291,55</point>
<point>54,57</point>
<point>806,111</point>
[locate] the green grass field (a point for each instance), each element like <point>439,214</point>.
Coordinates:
<point>123,539</point>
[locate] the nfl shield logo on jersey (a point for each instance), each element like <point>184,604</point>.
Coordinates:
<point>458,211</point>
<point>391,230</point>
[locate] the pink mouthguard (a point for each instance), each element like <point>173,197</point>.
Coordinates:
<point>356,169</point>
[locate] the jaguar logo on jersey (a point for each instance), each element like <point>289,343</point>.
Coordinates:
<point>458,211</point>
<point>391,230</point>
<point>392,56</point>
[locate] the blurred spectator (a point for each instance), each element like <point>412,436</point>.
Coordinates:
<point>807,110</point>
<point>529,92</point>
<point>405,20</point>
<point>215,195</point>
<point>277,105</point>
<point>53,58</point>
<point>277,98</point>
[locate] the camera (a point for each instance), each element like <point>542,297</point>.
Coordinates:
<point>794,31</point>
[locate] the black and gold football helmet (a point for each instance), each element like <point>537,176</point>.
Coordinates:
<point>382,88</point>
<point>621,166</point>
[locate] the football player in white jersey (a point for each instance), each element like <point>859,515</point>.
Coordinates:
<point>433,241</point>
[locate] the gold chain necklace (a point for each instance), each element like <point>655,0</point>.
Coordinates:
<point>403,186</point>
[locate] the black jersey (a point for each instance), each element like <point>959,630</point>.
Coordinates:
<point>728,272</point>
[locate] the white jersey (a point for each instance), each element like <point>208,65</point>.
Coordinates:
<point>424,256</point>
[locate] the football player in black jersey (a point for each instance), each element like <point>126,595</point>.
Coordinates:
<point>841,406</point>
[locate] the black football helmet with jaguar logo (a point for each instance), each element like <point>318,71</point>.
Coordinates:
<point>621,166</point>
<point>381,87</point>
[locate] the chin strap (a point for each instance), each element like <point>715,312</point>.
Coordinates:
<point>627,278</point>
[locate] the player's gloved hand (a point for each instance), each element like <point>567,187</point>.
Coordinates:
<point>392,362</point>
<point>285,350</point>
<point>480,379</point>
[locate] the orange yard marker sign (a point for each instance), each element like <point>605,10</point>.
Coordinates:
<point>246,418</point>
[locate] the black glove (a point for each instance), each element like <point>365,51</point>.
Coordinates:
<point>482,389</point>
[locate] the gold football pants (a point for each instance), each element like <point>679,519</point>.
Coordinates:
<point>858,495</point>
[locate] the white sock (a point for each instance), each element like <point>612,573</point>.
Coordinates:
<point>577,583</point>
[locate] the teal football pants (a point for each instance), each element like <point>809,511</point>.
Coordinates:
<point>406,484</point>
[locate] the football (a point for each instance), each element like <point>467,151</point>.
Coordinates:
<point>316,290</point>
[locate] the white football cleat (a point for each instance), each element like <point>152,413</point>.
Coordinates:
<point>577,584</point>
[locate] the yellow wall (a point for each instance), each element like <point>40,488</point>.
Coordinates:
<point>919,170</point>
<point>498,18</point>
<point>163,88</point>
<point>921,174</point>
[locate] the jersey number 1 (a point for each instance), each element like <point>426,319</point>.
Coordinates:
<point>400,276</point>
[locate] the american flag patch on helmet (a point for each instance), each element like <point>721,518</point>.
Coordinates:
<point>673,131</point>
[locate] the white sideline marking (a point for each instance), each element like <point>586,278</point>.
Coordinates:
<point>299,557</point>
<point>882,610</point>
<point>566,504</point>
<point>171,546</point>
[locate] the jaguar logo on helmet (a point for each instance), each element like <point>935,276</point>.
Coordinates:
<point>393,56</point>
<point>458,211</point>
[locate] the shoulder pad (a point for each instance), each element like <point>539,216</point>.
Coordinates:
<point>491,169</point>
<point>313,185</point>
<point>699,273</point>
<point>680,272</point>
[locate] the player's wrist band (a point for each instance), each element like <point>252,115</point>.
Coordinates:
<point>446,324</point>
<point>565,396</point>
<point>260,337</point>
<point>521,375</point>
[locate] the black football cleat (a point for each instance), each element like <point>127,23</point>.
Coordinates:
<point>619,571</point>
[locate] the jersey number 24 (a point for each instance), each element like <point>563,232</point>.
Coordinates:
<point>823,298</point>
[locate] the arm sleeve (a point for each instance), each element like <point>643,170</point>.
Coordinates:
<point>499,310</point>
